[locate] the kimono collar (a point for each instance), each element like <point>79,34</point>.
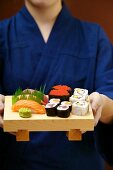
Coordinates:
<point>63,16</point>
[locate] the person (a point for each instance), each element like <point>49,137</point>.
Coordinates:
<point>104,141</point>
<point>44,44</point>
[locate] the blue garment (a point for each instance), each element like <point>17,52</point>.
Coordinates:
<point>104,139</point>
<point>77,54</point>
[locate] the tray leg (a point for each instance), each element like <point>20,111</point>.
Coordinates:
<point>22,135</point>
<point>74,135</point>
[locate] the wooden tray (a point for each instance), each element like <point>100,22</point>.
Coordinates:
<point>14,123</point>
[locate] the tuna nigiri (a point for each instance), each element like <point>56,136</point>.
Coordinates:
<point>34,106</point>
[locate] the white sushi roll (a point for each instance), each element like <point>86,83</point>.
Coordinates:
<point>80,108</point>
<point>79,91</point>
<point>67,103</point>
<point>77,97</point>
<point>54,100</point>
<point>63,111</point>
<point>51,109</point>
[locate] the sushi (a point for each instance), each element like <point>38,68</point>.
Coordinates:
<point>51,109</point>
<point>77,97</point>
<point>54,100</point>
<point>79,91</point>
<point>63,111</point>
<point>62,87</point>
<point>33,105</point>
<point>60,94</point>
<point>67,103</point>
<point>80,108</point>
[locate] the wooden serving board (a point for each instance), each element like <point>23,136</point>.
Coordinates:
<point>14,123</point>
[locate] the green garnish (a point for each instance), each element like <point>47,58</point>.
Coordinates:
<point>25,112</point>
<point>18,92</point>
<point>14,99</point>
<point>36,95</point>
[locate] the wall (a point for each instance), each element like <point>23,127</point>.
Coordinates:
<point>100,11</point>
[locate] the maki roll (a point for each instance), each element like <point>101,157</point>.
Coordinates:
<point>77,97</point>
<point>79,91</point>
<point>59,94</point>
<point>54,100</point>
<point>51,109</point>
<point>67,103</point>
<point>63,111</point>
<point>80,108</point>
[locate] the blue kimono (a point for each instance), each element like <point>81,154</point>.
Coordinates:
<point>77,54</point>
<point>104,139</point>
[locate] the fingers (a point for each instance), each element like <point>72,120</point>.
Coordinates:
<point>83,131</point>
<point>95,100</point>
<point>2,98</point>
<point>13,133</point>
<point>1,114</point>
<point>1,121</point>
<point>97,105</point>
<point>1,108</point>
<point>97,115</point>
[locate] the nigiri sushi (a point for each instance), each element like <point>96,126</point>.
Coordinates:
<point>60,94</point>
<point>34,106</point>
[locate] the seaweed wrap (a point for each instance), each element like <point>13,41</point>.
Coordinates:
<point>63,111</point>
<point>51,109</point>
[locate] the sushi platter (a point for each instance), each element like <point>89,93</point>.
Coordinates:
<point>71,123</point>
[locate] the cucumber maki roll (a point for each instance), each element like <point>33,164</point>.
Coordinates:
<point>54,100</point>
<point>51,109</point>
<point>67,103</point>
<point>63,111</point>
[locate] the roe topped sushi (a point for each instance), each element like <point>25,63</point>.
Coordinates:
<point>62,87</point>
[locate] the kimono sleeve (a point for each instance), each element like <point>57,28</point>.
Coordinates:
<point>0,76</point>
<point>104,141</point>
<point>104,85</point>
<point>1,64</point>
<point>104,65</point>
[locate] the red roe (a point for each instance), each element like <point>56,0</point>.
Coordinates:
<point>62,87</point>
<point>59,92</point>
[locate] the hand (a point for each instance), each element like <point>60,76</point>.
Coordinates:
<point>2,98</point>
<point>97,105</point>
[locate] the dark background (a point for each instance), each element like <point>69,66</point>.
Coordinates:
<point>99,11</point>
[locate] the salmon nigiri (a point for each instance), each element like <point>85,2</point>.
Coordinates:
<point>36,107</point>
